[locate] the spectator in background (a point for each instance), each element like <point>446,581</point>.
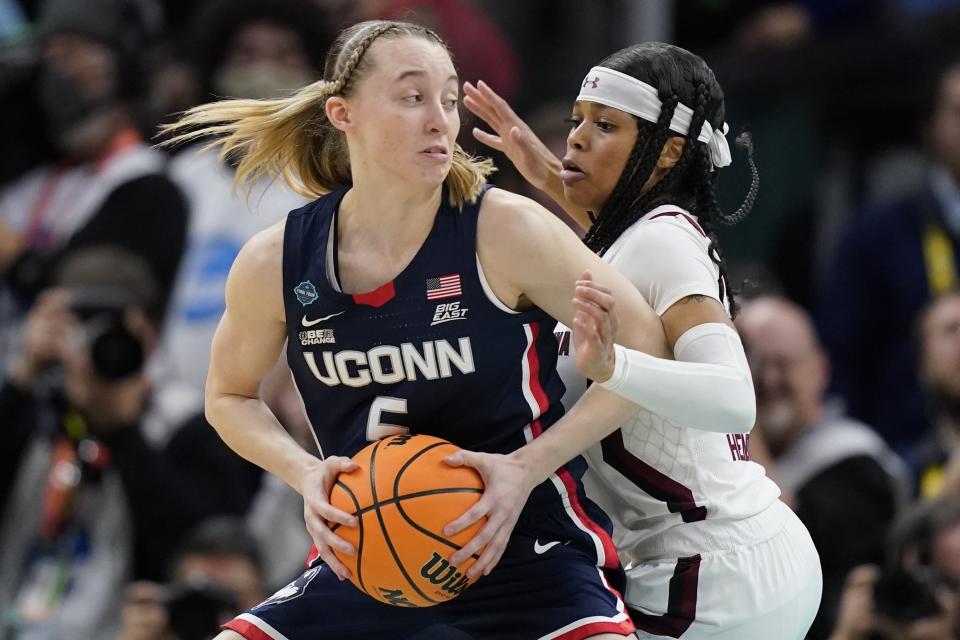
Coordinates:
<point>938,459</point>
<point>914,594</point>
<point>847,483</point>
<point>216,573</point>
<point>106,186</point>
<point>86,502</point>
<point>890,261</point>
<point>926,542</point>
<point>243,49</point>
<point>258,48</point>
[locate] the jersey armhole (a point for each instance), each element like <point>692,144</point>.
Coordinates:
<point>491,296</point>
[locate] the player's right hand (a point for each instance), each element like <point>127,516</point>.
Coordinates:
<point>513,136</point>
<point>319,515</point>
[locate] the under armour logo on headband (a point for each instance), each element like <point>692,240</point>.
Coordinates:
<point>593,83</point>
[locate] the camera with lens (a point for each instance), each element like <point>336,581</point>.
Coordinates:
<point>115,351</point>
<point>905,597</point>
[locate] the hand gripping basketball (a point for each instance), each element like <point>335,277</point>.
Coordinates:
<point>401,494</point>
<point>508,481</point>
<point>319,515</point>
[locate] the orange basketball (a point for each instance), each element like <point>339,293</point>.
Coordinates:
<point>403,495</point>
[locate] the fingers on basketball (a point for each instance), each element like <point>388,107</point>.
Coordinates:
<point>402,497</point>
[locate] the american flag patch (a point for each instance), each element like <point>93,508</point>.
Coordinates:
<point>443,287</point>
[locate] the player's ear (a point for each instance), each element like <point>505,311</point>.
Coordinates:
<point>671,152</point>
<point>338,112</point>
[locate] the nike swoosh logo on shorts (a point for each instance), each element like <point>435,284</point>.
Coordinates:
<point>310,323</point>
<point>543,548</point>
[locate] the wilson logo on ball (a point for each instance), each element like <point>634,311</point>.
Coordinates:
<point>439,571</point>
<point>403,494</point>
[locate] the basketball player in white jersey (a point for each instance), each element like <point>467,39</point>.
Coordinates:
<point>712,552</point>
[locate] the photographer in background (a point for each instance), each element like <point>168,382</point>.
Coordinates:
<point>914,595</point>
<point>87,503</point>
<point>848,485</point>
<point>216,574</point>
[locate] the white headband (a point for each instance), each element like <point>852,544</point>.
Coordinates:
<point>620,91</point>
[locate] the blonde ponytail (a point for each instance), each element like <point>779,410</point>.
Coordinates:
<point>291,138</point>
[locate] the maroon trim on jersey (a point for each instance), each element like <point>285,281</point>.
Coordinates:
<point>610,557</point>
<point>679,499</point>
<point>688,218</point>
<point>696,225</point>
<point>533,360</point>
<point>378,297</point>
<point>681,602</point>
<point>610,560</point>
<point>247,629</point>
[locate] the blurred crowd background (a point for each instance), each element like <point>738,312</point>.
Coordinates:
<point>123,515</point>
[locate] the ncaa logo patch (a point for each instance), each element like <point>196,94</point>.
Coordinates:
<point>293,590</point>
<point>306,293</point>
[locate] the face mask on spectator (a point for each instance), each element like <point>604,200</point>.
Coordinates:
<point>261,80</point>
<point>72,113</point>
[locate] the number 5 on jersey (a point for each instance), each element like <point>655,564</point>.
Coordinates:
<point>377,430</point>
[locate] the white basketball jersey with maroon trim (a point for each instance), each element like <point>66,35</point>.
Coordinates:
<point>660,481</point>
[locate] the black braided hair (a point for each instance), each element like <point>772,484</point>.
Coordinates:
<point>679,77</point>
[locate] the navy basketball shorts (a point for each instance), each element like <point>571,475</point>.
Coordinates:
<point>547,586</point>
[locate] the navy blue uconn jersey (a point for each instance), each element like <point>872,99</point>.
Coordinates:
<point>435,353</point>
<point>429,352</point>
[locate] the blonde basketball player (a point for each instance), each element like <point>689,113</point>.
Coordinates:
<point>360,284</point>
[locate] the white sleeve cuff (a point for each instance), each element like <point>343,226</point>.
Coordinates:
<point>707,387</point>
<point>619,376</point>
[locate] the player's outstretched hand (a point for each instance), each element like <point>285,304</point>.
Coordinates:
<point>507,485</point>
<point>594,327</point>
<point>511,135</point>
<point>318,513</point>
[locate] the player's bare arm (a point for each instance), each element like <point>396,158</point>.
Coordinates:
<point>690,312</point>
<point>529,257</point>
<point>245,347</point>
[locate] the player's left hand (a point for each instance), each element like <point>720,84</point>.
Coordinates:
<point>594,327</point>
<point>507,485</point>
<point>512,136</point>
